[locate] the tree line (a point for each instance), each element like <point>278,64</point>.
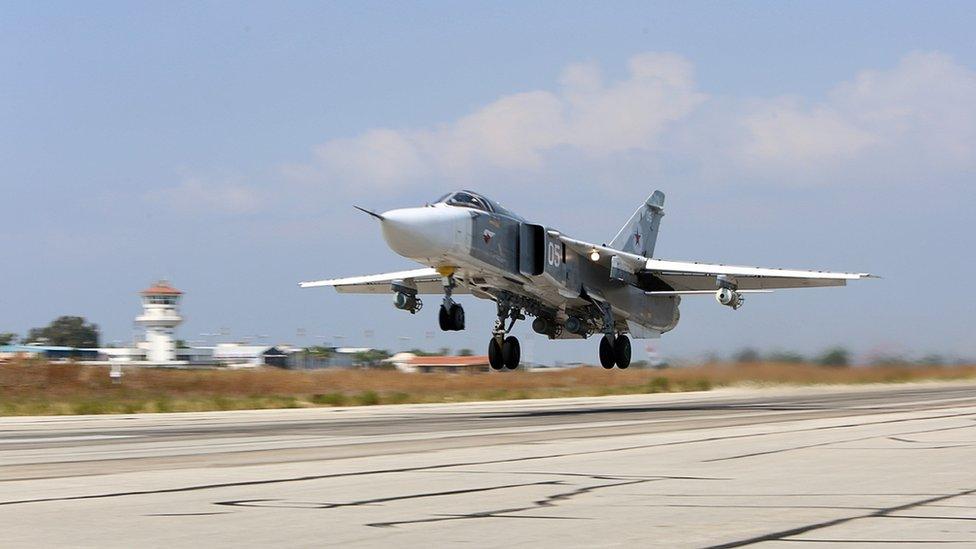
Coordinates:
<point>66,331</point>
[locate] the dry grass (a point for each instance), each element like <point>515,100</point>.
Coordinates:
<point>32,387</point>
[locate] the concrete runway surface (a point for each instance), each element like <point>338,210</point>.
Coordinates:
<point>855,466</point>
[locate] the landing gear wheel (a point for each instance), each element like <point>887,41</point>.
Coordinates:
<point>444,319</point>
<point>495,359</point>
<point>511,352</point>
<point>607,358</point>
<point>621,351</point>
<point>457,317</point>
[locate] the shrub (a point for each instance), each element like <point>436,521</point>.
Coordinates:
<point>659,385</point>
<point>838,356</point>
<point>367,398</point>
<point>398,397</point>
<point>787,357</point>
<point>89,407</point>
<point>747,355</point>
<point>329,399</point>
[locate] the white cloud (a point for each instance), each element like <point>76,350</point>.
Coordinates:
<point>923,108</point>
<point>196,194</point>
<point>927,102</point>
<point>919,115</point>
<point>378,156</point>
<point>514,132</point>
<point>783,132</point>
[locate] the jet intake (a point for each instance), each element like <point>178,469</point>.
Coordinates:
<point>531,249</point>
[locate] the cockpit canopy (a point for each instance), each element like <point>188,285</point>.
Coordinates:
<point>473,200</point>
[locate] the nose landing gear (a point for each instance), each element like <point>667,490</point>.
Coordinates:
<point>451,317</point>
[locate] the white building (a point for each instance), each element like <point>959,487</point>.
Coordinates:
<point>234,354</point>
<point>160,317</point>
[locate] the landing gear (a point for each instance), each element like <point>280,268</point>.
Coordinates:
<point>495,359</point>
<point>511,352</point>
<point>621,351</point>
<point>504,351</point>
<point>614,347</point>
<point>615,351</point>
<point>451,319</point>
<point>507,354</point>
<point>607,359</point>
<point>451,315</point>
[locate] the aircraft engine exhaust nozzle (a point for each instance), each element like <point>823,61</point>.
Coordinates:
<point>575,325</point>
<point>541,326</point>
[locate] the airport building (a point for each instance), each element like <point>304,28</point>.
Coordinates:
<point>160,317</point>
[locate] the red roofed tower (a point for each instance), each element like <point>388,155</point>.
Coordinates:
<point>160,316</point>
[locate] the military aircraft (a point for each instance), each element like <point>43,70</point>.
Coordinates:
<point>470,244</point>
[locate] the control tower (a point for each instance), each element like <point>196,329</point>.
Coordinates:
<point>160,316</point>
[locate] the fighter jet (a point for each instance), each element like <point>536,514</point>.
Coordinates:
<point>471,244</point>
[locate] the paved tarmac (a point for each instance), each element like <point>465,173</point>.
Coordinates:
<point>844,466</point>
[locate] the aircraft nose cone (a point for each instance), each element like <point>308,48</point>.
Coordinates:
<point>421,233</point>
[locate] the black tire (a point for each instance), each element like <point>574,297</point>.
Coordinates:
<point>621,352</point>
<point>607,358</point>
<point>457,317</point>
<point>511,352</point>
<point>495,359</point>
<point>444,319</point>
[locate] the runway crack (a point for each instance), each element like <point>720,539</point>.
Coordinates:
<point>549,501</point>
<point>885,512</point>
<point>835,442</point>
<point>307,478</point>
<point>314,505</point>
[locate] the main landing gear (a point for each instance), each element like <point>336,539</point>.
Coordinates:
<point>615,350</point>
<point>504,351</point>
<point>614,347</point>
<point>451,315</point>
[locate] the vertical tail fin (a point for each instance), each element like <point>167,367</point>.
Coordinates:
<point>639,234</point>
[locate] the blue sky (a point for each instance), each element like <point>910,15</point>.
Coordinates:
<point>221,145</point>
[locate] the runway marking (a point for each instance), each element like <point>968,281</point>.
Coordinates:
<point>75,438</point>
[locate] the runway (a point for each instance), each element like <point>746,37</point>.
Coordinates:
<point>725,468</point>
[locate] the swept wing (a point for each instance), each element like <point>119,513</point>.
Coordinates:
<point>692,276</point>
<point>427,281</point>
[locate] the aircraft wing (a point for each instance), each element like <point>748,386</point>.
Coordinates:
<point>427,281</point>
<point>686,275</point>
<point>695,276</point>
